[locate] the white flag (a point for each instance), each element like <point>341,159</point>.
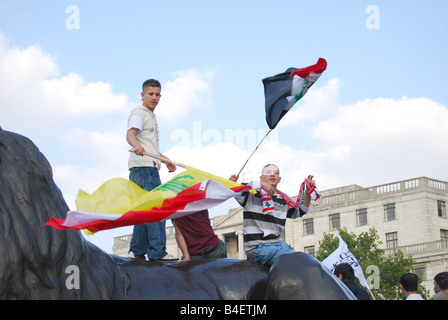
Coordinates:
<point>343,255</point>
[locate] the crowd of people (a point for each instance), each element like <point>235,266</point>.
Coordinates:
<point>264,213</point>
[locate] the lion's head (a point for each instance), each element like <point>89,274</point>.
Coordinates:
<point>37,261</point>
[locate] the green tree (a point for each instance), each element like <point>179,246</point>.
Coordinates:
<point>382,272</point>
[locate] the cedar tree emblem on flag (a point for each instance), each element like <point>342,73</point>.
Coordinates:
<point>283,90</point>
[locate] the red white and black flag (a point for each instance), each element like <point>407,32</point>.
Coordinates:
<point>283,90</point>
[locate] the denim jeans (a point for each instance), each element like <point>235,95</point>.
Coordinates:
<point>268,253</point>
<point>148,238</point>
<point>219,252</point>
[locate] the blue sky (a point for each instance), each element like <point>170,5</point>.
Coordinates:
<point>378,113</point>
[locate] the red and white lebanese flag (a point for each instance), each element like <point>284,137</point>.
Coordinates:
<point>266,201</point>
<point>120,202</point>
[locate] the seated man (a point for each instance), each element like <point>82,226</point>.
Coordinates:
<point>265,216</point>
<point>196,238</point>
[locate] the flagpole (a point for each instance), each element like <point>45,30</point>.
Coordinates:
<point>162,159</point>
<point>370,291</point>
<point>211,176</point>
<point>254,152</point>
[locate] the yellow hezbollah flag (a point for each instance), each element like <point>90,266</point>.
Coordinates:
<point>120,195</point>
<point>120,202</point>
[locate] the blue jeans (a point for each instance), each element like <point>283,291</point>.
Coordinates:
<point>148,238</point>
<point>219,252</point>
<point>268,253</point>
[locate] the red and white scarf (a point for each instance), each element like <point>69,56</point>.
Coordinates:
<point>268,203</point>
<point>312,191</point>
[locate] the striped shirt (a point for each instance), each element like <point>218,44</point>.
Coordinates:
<point>259,227</point>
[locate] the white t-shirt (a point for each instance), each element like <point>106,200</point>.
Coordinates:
<point>135,121</point>
<point>414,296</point>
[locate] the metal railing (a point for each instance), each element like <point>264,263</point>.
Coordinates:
<point>388,188</point>
<point>419,248</point>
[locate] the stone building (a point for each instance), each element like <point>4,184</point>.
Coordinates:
<point>408,215</point>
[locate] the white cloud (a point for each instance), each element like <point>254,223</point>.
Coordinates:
<point>77,97</point>
<point>318,103</point>
<point>24,66</point>
<point>106,147</point>
<point>388,139</point>
<point>189,90</point>
<point>417,120</point>
<point>37,99</point>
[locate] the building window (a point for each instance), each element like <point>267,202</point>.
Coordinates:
<point>231,241</point>
<point>389,212</point>
<point>392,240</point>
<point>421,272</point>
<point>335,221</point>
<point>308,226</point>
<point>441,208</point>
<point>311,250</point>
<point>361,217</point>
<point>443,235</point>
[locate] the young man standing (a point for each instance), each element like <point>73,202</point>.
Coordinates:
<point>143,136</point>
<point>264,216</point>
